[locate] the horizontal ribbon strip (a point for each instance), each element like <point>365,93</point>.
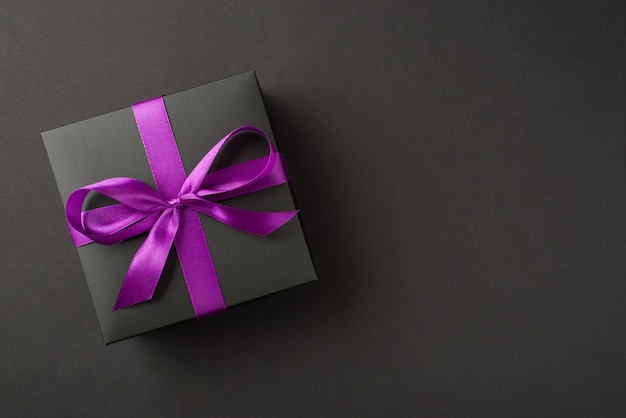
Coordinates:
<point>171,213</point>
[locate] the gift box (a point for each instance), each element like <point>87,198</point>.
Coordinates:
<point>161,242</point>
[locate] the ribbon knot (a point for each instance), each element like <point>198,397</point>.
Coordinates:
<point>175,203</point>
<point>171,213</point>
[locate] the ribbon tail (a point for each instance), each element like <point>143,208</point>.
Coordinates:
<point>253,222</point>
<point>277,176</point>
<point>145,269</point>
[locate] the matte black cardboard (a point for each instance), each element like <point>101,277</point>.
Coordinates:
<point>248,266</point>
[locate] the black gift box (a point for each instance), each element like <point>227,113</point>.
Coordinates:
<point>248,266</point>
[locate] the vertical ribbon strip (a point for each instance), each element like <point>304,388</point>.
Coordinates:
<point>171,213</point>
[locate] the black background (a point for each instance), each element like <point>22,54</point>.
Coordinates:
<point>460,170</point>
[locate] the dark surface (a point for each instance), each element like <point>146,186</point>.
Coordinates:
<point>460,170</point>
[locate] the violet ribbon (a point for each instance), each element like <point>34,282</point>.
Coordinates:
<point>171,213</point>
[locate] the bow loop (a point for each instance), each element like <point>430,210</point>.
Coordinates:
<point>198,177</point>
<point>115,223</point>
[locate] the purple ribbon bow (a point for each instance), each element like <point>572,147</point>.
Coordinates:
<point>171,213</point>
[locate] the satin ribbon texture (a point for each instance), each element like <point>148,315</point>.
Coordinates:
<point>170,214</point>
